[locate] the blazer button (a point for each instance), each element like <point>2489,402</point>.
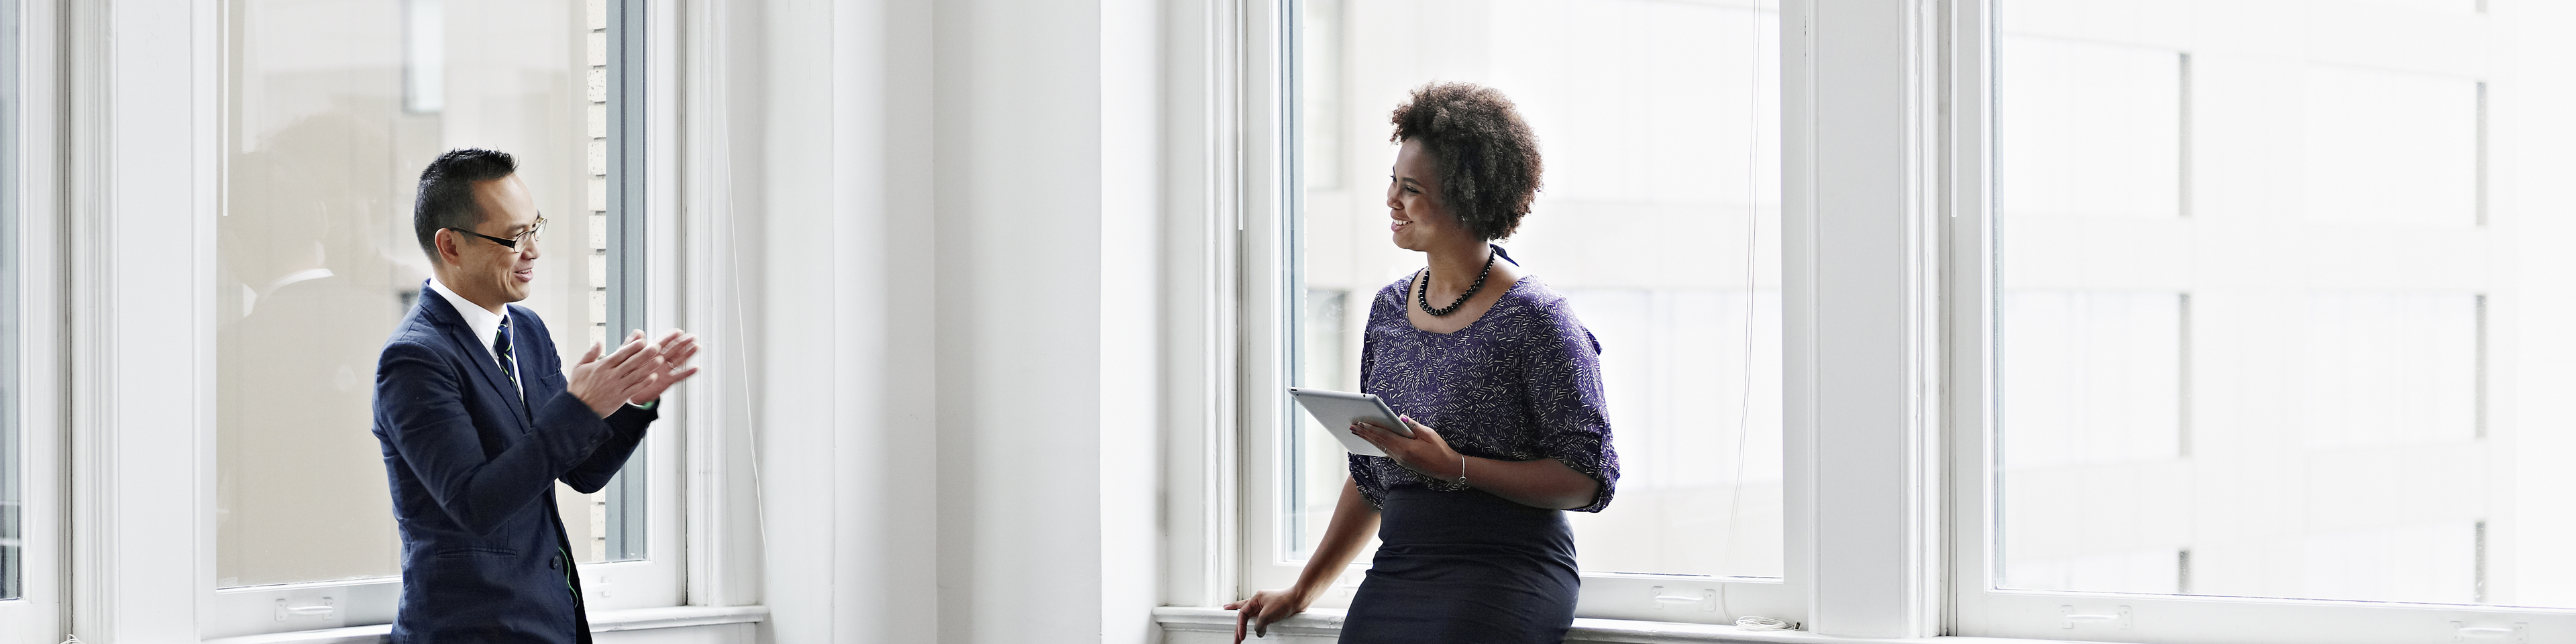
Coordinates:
<point>554,563</point>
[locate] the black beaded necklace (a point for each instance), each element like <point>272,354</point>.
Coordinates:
<point>1424,296</point>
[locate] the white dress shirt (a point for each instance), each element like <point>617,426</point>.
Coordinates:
<point>485,323</point>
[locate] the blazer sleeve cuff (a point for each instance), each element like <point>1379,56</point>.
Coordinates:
<point>632,418</point>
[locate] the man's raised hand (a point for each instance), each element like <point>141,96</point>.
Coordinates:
<point>677,348</point>
<point>606,382</point>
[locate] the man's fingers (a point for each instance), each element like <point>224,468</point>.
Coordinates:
<point>674,358</point>
<point>635,356</point>
<point>630,380</point>
<point>650,387</point>
<point>681,350</point>
<point>624,352</point>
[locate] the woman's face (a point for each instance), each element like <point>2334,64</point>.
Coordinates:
<point>1420,222</point>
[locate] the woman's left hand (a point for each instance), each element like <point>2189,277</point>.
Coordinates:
<point>1425,452</point>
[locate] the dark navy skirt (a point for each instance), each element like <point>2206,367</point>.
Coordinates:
<point>1465,567</point>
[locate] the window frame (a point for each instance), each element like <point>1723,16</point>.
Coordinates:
<point>38,373</point>
<point>1267,306</point>
<point>643,70</point>
<point>1862,264</point>
<point>1980,610</point>
<point>643,209</point>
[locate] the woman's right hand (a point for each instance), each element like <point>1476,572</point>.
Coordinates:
<point>1264,608</point>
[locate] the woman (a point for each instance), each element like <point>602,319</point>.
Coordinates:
<point>1501,388</point>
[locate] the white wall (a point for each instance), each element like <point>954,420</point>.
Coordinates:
<point>948,222</point>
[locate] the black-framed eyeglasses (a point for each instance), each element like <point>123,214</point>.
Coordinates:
<point>510,242</point>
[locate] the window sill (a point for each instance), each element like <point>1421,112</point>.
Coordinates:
<point>636,619</point>
<point>1325,624</point>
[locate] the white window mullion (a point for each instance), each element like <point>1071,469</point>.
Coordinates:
<point>141,119</point>
<point>1862,348</point>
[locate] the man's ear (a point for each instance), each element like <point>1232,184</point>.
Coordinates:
<point>445,241</point>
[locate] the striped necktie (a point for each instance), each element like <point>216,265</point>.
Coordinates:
<point>509,362</point>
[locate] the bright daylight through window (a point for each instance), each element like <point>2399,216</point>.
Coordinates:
<point>13,453</point>
<point>331,111</point>
<point>2283,293</point>
<point>1658,220</point>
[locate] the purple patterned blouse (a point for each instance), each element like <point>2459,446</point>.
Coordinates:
<point>1521,383</point>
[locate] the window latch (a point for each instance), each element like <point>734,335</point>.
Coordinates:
<point>1707,599</point>
<point>317,610</point>
<point>2119,620</point>
<point>2462,632</point>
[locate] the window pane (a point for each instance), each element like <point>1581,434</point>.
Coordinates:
<point>1659,222</point>
<point>2279,287</point>
<point>13,481</point>
<point>332,109</point>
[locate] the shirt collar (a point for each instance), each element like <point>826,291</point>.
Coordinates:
<point>484,322</point>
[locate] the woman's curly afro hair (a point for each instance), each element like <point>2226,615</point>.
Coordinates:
<point>1486,155</point>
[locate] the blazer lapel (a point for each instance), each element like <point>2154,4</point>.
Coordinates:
<point>487,371</point>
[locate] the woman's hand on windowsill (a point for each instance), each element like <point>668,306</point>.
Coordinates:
<point>1265,608</point>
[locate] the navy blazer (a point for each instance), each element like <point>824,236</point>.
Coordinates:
<point>473,467</point>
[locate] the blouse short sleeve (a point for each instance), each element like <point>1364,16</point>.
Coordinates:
<point>1563,381</point>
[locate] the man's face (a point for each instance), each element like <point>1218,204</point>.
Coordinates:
<point>485,271</point>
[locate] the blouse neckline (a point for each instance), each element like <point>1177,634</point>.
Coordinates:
<point>1406,309</point>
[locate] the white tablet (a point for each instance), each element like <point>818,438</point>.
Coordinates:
<point>1336,410</point>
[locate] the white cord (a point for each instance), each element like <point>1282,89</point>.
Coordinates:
<point>1752,265</point>
<point>724,200</point>
<point>1760,623</point>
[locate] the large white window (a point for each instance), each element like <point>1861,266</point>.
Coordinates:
<point>14,455</point>
<point>2274,297</point>
<point>330,110</point>
<point>29,447</point>
<point>1659,221</point>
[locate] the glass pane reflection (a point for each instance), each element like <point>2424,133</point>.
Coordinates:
<point>332,108</point>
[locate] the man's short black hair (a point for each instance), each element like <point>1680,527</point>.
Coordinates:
<point>446,198</point>
<point>1486,155</point>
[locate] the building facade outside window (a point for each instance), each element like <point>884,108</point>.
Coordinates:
<point>2278,290</point>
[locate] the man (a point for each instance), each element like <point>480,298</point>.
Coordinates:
<point>478,419</point>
